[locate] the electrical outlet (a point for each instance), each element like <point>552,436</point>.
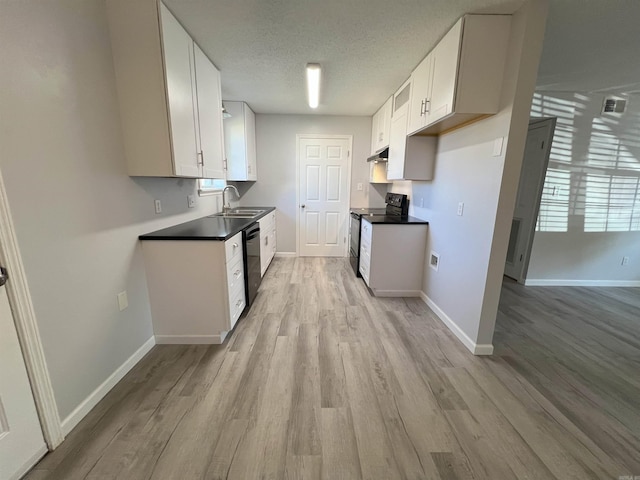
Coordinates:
<point>158,206</point>
<point>360,187</point>
<point>460,208</point>
<point>123,300</point>
<point>625,261</point>
<point>191,201</point>
<point>434,261</point>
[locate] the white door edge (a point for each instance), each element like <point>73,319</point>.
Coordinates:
<point>549,124</point>
<point>316,136</point>
<point>27,328</point>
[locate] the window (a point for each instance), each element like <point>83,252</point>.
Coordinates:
<point>612,204</point>
<point>554,205</point>
<point>209,186</point>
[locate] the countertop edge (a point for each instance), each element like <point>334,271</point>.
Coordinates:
<point>384,220</point>
<point>198,238</point>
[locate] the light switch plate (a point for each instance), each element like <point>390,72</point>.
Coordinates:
<point>360,186</point>
<point>460,208</point>
<point>158,206</point>
<point>497,146</point>
<point>123,300</point>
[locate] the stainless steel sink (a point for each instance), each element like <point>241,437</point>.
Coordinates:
<point>245,211</point>
<point>240,213</point>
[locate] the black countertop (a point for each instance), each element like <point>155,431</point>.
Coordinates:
<point>207,228</point>
<point>394,220</point>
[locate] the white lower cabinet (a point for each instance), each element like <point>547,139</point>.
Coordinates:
<point>392,258</point>
<point>267,240</point>
<point>196,288</point>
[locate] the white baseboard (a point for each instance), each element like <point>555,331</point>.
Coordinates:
<point>98,394</point>
<point>473,347</point>
<point>286,254</point>
<point>534,282</point>
<point>28,465</point>
<point>396,293</point>
<point>191,339</point>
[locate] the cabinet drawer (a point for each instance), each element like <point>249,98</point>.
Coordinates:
<point>233,248</point>
<point>268,222</point>
<point>364,270</point>
<point>365,241</point>
<point>236,306</point>
<point>365,232</point>
<point>235,274</point>
<point>272,240</point>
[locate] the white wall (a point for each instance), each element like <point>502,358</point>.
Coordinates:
<point>466,288</point>
<point>76,212</point>
<point>588,145</point>
<point>277,182</point>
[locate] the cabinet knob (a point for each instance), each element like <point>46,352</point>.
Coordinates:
<point>238,303</point>
<point>235,245</point>
<point>237,274</point>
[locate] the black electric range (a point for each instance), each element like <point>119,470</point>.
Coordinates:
<point>397,206</point>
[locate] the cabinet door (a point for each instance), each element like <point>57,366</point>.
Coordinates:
<point>250,135</point>
<point>445,72</point>
<point>178,62</point>
<point>209,102</point>
<point>384,124</point>
<point>398,133</point>
<point>420,94</point>
<point>397,146</point>
<point>375,133</point>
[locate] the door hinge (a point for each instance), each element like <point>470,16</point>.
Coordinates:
<point>4,276</point>
<point>521,257</point>
<point>348,153</point>
<point>542,146</point>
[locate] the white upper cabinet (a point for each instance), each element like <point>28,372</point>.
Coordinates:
<point>210,131</point>
<point>420,93</point>
<point>380,127</point>
<point>444,75</point>
<point>178,62</point>
<point>168,93</point>
<point>410,158</point>
<point>240,142</point>
<point>461,78</point>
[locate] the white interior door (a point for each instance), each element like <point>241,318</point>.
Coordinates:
<point>534,167</point>
<point>324,196</point>
<point>21,441</point>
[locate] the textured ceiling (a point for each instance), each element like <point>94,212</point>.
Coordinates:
<point>367,48</point>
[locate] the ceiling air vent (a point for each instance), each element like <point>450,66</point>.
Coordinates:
<point>614,105</point>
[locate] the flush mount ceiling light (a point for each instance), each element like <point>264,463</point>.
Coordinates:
<point>313,84</point>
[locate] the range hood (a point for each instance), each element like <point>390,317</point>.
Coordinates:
<point>382,156</point>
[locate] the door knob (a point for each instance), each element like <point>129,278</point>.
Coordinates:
<point>3,276</point>
<point>302,206</point>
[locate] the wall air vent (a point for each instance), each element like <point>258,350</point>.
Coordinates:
<point>614,105</point>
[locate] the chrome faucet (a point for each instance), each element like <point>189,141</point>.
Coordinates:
<point>226,206</point>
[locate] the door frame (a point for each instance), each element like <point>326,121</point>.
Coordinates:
<point>550,124</point>
<point>320,136</point>
<point>27,328</point>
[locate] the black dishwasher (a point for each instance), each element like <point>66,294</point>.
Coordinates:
<point>252,277</point>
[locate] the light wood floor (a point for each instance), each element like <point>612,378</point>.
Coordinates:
<point>321,380</point>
